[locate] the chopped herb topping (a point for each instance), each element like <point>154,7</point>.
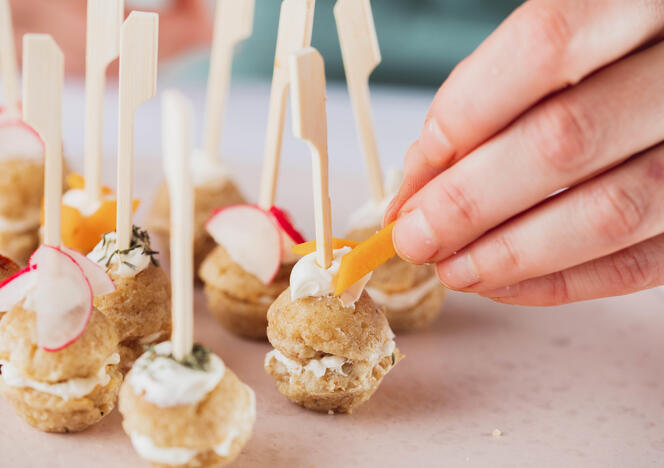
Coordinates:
<point>140,239</point>
<point>394,359</point>
<point>197,360</point>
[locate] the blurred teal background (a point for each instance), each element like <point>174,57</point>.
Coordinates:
<point>420,40</point>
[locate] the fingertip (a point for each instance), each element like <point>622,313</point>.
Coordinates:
<point>413,238</point>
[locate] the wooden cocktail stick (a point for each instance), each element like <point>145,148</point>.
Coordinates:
<point>138,83</point>
<point>361,55</point>
<point>102,47</point>
<point>8,67</point>
<point>177,117</point>
<point>295,27</point>
<point>43,78</point>
<point>310,124</point>
<point>233,23</point>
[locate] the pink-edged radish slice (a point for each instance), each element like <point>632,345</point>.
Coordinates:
<point>62,300</point>
<point>251,237</point>
<point>285,223</point>
<point>19,140</point>
<point>15,288</point>
<point>100,282</point>
<point>290,236</point>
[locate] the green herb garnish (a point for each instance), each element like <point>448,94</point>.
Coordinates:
<point>198,359</point>
<point>140,239</point>
<point>394,359</point>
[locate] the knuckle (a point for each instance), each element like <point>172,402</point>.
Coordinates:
<point>504,249</point>
<point>559,289</point>
<point>630,270</point>
<point>616,213</point>
<point>545,32</point>
<point>561,135</point>
<point>464,207</point>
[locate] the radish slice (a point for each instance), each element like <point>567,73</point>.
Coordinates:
<point>63,300</point>
<point>251,237</point>
<point>100,282</point>
<point>15,288</point>
<point>285,223</point>
<point>19,140</point>
<point>289,235</point>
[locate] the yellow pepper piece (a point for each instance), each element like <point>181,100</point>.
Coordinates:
<point>365,258</point>
<point>310,247</point>
<point>82,233</point>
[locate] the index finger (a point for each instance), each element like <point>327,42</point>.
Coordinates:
<point>543,46</point>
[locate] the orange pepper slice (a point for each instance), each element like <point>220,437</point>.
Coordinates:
<point>83,233</point>
<point>309,247</point>
<point>365,258</point>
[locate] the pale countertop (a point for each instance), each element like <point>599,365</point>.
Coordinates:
<point>574,386</point>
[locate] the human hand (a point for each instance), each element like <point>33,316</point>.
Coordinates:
<point>564,94</point>
<point>183,26</point>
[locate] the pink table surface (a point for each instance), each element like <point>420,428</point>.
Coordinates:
<point>574,386</point>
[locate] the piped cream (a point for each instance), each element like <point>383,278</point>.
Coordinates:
<point>127,264</point>
<point>165,382</point>
<point>308,279</point>
<point>68,389</point>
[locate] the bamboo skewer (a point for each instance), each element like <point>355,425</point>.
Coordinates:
<point>233,23</point>
<point>43,78</point>
<point>8,66</point>
<point>176,128</point>
<point>138,83</point>
<point>104,20</point>
<point>295,28</point>
<point>310,124</point>
<point>361,55</point>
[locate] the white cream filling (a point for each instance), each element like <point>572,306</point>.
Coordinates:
<point>371,213</point>
<point>308,279</point>
<point>119,263</point>
<point>147,449</point>
<point>77,198</point>
<point>205,171</point>
<point>318,367</point>
<point>151,338</point>
<point>387,350</point>
<point>68,389</point>
<point>30,220</point>
<point>167,455</point>
<point>165,382</point>
<point>406,299</point>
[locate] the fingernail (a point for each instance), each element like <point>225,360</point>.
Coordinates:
<point>507,291</point>
<point>414,238</point>
<point>458,272</point>
<point>435,144</point>
<point>390,212</point>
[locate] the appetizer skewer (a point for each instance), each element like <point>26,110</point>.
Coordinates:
<point>89,210</point>
<point>140,306</point>
<point>411,294</point>
<point>332,344</point>
<point>252,261</point>
<point>181,405</point>
<point>58,353</point>
<point>213,185</point>
<point>21,158</point>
